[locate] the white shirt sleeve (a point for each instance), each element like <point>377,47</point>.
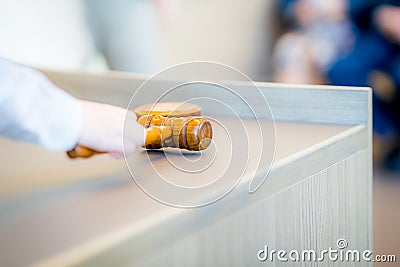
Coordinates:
<point>35,110</point>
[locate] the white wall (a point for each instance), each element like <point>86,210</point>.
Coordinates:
<point>234,32</point>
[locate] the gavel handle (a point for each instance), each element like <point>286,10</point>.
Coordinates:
<point>82,152</point>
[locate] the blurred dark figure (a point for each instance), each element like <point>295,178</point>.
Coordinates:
<point>316,34</point>
<point>375,61</point>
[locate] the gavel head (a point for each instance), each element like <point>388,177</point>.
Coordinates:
<point>191,133</point>
<point>175,128</point>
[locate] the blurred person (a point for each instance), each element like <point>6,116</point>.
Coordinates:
<point>33,109</point>
<point>375,61</point>
<point>319,32</point>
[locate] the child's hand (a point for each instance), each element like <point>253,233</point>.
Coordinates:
<point>103,129</point>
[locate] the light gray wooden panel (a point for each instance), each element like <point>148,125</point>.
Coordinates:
<point>296,103</point>
<point>331,204</point>
<point>322,104</point>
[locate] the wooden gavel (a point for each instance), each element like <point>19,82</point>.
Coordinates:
<point>164,129</point>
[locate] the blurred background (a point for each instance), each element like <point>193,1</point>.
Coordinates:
<point>338,42</point>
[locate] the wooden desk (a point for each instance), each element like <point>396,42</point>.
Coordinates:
<point>58,212</point>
